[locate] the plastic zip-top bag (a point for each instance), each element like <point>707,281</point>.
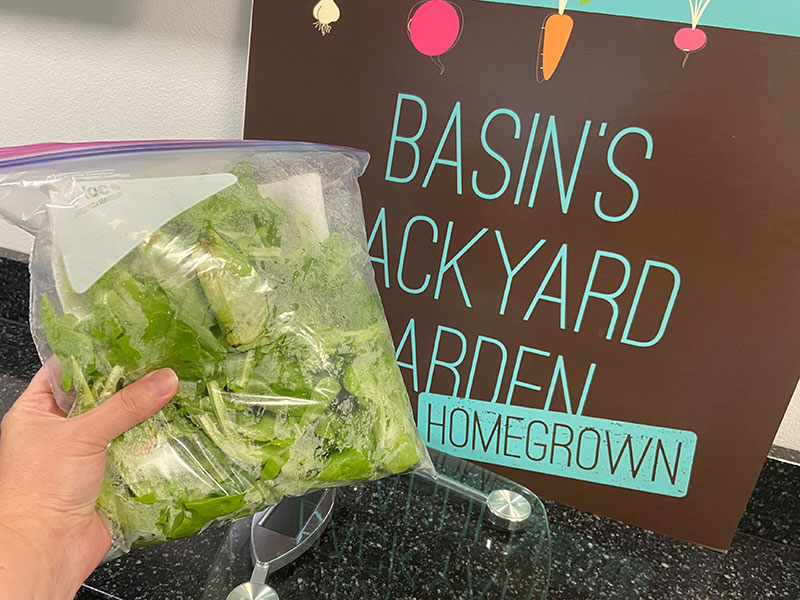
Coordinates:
<point>241,265</point>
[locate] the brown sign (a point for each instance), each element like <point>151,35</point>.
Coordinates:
<point>586,246</point>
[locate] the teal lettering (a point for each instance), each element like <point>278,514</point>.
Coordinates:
<point>450,365</point>
<point>510,273</point>
<point>551,138</point>
<point>560,375</point>
<point>380,223</point>
<point>614,169</point>
<point>499,158</point>
<point>409,140</point>
<point>515,382</point>
<point>500,369</point>
<point>561,300</point>
<point>409,334</point>
<point>452,263</point>
<point>676,284</point>
<point>526,161</point>
<point>404,248</point>
<point>454,121</point>
<point>608,297</point>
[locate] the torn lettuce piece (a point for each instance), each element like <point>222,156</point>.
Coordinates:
<point>197,513</point>
<point>347,465</point>
<point>398,443</point>
<point>274,459</point>
<point>67,340</point>
<point>233,289</point>
<point>104,324</point>
<point>170,262</point>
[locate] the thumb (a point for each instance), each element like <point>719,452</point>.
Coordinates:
<point>129,406</point>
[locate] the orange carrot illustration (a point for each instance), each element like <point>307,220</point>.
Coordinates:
<point>556,30</point>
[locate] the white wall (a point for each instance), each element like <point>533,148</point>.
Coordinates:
<point>120,69</point>
<point>789,433</point>
<point>136,69</point>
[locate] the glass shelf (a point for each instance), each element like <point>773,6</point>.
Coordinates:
<point>410,536</point>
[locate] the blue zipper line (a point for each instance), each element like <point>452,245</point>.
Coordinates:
<point>121,149</point>
<point>89,151</point>
<point>138,148</point>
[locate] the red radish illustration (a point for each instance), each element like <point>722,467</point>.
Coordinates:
<point>556,30</point>
<point>691,39</point>
<point>434,27</point>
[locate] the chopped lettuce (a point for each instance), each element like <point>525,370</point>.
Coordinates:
<point>67,338</point>
<point>287,371</point>
<point>233,289</point>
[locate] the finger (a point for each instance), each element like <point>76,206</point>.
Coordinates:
<point>40,384</point>
<point>39,395</point>
<point>129,406</point>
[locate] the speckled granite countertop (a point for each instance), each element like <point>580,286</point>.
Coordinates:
<point>592,557</point>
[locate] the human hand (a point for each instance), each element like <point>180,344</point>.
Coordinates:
<point>51,468</point>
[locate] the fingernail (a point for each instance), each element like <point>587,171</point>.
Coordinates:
<point>162,382</point>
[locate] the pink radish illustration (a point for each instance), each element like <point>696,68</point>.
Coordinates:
<point>691,39</point>
<point>434,27</point>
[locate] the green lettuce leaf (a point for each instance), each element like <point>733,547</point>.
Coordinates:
<point>67,340</point>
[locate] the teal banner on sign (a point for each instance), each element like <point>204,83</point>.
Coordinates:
<point>780,17</point>
<point>657,460</point>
